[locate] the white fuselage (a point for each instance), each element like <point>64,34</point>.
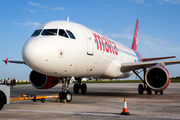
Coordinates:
<point>90,54</point>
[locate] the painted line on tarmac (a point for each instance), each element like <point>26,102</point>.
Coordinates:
<point>94,114</point>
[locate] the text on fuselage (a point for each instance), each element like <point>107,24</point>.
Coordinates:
<point>104,44</point>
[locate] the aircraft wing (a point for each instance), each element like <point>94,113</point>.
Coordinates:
<point>125,67</point>
<point>13,61</point>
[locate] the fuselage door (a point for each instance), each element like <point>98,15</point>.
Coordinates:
<point>89,39</point>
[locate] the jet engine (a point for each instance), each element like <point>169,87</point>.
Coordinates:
<point>41,81</point>
<point>157,78</point>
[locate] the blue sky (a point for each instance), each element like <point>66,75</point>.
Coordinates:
<point>159,26</point>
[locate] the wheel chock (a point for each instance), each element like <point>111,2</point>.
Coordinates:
<point>61,100</point>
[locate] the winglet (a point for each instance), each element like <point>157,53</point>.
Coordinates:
<point>135,40</point>
<point>6,60</point>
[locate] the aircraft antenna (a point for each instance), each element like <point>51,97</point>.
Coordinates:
<point>68,18</point>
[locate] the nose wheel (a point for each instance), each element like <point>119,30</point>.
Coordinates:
<point>65,94</point>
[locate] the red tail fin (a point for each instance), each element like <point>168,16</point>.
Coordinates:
<point>135,40</point>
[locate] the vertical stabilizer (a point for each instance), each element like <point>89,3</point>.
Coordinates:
<point>135,40</point>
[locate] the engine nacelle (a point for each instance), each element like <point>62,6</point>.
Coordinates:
<point>157,78</point>
<point>41,81</point>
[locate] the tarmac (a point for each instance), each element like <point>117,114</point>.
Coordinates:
<point>103,101</point>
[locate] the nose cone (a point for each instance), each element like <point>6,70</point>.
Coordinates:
<point>42,54</point>
<point>33,53</point>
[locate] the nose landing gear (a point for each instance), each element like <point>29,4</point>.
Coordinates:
<point>65,94</point>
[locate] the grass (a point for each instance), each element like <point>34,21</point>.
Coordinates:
<point>111,81</point>
<point>121,81</point>
<point>22,83</point>
<point>175,80</point>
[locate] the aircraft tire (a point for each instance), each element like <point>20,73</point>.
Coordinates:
<point>140,89</point>
<point>83,88</point>
<point>2,100</point>
<point>76,88</point>
<point>156,92</point>
<point>149,92</point>
<point>68,97</point>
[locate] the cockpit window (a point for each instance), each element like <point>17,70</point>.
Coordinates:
<point>70,34</point>
<point>49,32</point>
<point>62,33</point>
<point>36,33</point>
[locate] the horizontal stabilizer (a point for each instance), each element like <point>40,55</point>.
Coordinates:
<point>157,58</point>
<point>13,61</point>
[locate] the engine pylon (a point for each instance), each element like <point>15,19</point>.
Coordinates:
<point>125,110</point>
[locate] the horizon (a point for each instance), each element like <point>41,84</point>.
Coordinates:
<point>158,26</point>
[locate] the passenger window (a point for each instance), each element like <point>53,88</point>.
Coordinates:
<point>36,33</point>
<point>49,32</point>
<point>62,33</point>
<point>70,34</point>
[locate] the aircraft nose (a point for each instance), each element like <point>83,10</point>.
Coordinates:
<point>33,52</point>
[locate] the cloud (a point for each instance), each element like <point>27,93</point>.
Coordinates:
<point>120,36</point>
<point>128,29</point>
<point>44,6</point>
<point>33,25</point>
<point>149,41</point>
<point>137,1</point>
<point>31,10</point>
<point>148,45</point>
<point>99,31</point>
<point>168,1</point>
<point>142,2</point>
<point>58,8</point>
<point>33,4</point>
<point>37,5</point>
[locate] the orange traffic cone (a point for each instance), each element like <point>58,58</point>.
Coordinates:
<point>125,110</point>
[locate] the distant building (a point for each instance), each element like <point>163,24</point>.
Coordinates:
<point>22,80</point>
<point>84,79</point>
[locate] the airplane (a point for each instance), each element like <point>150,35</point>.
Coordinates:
<point>60,50</point>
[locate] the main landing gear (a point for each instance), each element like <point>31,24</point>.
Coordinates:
<point>65,94</point>
<point>78,86</point>
<point>143,87</point>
